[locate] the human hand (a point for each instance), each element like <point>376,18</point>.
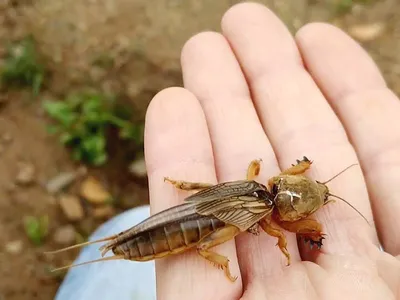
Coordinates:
<point>255,92</point>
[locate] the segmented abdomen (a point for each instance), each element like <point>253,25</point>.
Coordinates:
<point>171,238</point>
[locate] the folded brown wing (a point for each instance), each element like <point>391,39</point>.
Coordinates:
<point>226,189</point>
<point>242,211</point>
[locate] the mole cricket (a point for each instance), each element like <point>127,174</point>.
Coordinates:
<point>217,213</point>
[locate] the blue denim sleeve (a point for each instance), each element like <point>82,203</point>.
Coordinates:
<point>110,280</point>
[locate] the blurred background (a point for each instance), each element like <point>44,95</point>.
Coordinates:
<point>76,79</point>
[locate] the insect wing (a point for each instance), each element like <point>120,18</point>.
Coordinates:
<point>241,211</point>
<point>226,190</point>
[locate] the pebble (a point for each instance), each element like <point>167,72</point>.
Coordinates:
<point>63,179</point>
<point>138,168</point>
<point>71,207</point>
<point>65,235</point>
<point>103,212</point>
<point>26,174</point>
<point>7,138</point>
<point>367,32</point>
<point>94,192</point>
<point>14,247</point>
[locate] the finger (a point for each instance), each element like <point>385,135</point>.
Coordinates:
<point>297,118</point>
<point>177,145</point>
<point>369,111</point>
<point>212,73</point>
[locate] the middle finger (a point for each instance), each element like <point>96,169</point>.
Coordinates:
<point>211,72</point>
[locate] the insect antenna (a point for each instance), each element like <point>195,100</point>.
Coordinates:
<point>348,203</point>
<point>116,257</point>
<point>82,244</point>
<point>341,172</point>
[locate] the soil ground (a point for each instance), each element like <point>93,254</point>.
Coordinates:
<point>143,42</point>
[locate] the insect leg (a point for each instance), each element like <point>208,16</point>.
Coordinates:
<point>187,186</point>
<point>282,243</point>
<point>309,229</point>
<point>254,229</point>
<point>218,237</point>
<point>254,169</point>
<point>301,166</point>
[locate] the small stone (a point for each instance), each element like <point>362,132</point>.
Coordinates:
<point>14,247</point>
<point>103,212</point>
<point>63,179</point>
<point>65,235</point>
<point>138,168</point>
<point>133,90</point>
<point>26,174</point>
<point>71,207</point>
<point>94,192</point>
<point>7,138</point>
<point>367,32</point>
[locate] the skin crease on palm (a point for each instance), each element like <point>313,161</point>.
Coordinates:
<point>255,91</point>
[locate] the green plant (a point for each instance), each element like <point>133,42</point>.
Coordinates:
<point>83,120</point>
<point>36,228</point>
<point>344,6</point>
<point>21,66</point>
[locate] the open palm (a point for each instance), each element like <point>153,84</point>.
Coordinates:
<point>255,92</point>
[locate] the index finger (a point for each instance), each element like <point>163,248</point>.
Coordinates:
<point>177,145</point>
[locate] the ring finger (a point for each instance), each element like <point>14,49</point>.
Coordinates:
<point>298,120</point>
<point>211,72</point>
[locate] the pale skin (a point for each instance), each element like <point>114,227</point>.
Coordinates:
<point>254,91</point>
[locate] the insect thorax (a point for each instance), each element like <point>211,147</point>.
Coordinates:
<point>296,197</point>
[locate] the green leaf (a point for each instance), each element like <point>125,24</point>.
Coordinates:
<point>66,138</point>
<point>56,108</point>
<point>94,148</point>
<point>94,143</point>
<point>37,83</point>
<point>61,112</point>
<point>21,66</point>
<point>36,228</point>
<point>100,159</point>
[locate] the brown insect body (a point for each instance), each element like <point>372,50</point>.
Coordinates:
<point>165,239</point>
<point>297,196</point>
<point>217,213</point>
<point>210,217</point>
<point>182,227</point>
